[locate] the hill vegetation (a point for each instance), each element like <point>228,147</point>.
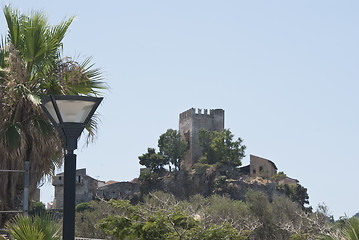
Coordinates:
<point>162,216</point>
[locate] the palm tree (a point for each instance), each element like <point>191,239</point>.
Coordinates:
<point>32,66</point>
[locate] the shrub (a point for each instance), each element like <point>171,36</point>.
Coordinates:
<point>84,206</point>
<point>33,228</point>
<point>220,182</point>
<point>201,166</point>
<point>89,215</point>
<point>37,208</point>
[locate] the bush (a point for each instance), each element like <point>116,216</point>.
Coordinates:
<point>37,208</point>
<point>279,176</point>
<point>89,215</point>
<point>201,166</point>
<point>84,206</point>
<point>161,216</point>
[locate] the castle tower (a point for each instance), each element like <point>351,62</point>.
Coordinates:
<point>190,122</point>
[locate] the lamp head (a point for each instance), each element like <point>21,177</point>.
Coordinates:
<point>70,114</point>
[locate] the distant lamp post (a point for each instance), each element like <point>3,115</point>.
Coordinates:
<point>70,115</point>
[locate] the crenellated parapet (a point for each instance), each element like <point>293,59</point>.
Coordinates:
<point>199,112</point>
<point>187,114</point>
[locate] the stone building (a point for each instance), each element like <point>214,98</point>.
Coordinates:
<point>86,188</point>
<point>288,181</point>
<point>190,122</point>
<point>118,190</point>
<point>261,167</point>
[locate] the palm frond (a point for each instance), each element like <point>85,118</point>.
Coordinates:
<point>42,227</point>
<point>3,52</point>
<point>352,229</point>
<point>13,22</point>
<point>35,46</point>
<point>22,228</point>
<point>59,31</point>
<point>91,79</point>
<point>43,126</point>
<point>11,134</point>
<point>91,128</point>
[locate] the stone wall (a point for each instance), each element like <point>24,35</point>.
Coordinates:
<point>119,190</point>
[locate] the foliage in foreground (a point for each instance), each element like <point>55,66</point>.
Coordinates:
<point>88,214</point>
<point>33,228</point>
<point>161,216</point>
<point>346,230</point>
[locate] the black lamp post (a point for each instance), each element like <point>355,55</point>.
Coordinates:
<point>70,115</point>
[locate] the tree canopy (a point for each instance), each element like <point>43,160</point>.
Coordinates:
<point>172,151</point>
<point>152,160</point>
<point>172,147</point>
<point>219,147</point>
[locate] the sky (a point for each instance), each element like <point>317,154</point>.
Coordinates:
<point>285,72</point>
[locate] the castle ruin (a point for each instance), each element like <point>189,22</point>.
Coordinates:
<point>190,122</point>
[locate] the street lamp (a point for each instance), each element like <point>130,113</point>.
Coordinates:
<point>70,115</point>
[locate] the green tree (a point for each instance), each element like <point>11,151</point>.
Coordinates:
<point>260,206</point>
<point>220,147</point>
<point>32,66</point>
<point>152,160</point>
<point>297,193</point>
<point>301,196</point>
<point>172,147</point>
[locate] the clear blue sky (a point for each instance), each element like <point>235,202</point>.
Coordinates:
<point>285,72</point>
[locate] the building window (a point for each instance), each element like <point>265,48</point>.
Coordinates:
<point>254,171</point>
<point>260,168</point>
<point>60,178</point>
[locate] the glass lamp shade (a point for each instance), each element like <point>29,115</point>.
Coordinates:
<point>70,114</point>
<point>70,109</point>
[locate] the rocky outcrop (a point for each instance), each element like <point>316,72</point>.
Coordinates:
<point>231,183</point>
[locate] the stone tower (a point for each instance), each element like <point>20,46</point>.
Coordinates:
<point>190,122</point>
